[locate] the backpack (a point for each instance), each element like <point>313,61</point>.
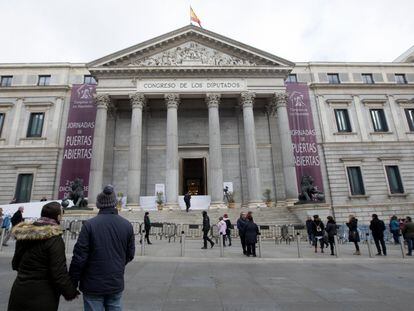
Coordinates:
<point>6,223</point>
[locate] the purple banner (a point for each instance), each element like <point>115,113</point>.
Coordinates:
<point>302,130</point>
<point>79,138</point>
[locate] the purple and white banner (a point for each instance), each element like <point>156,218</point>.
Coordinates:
<point>77,152</point>
<point>302,130</point>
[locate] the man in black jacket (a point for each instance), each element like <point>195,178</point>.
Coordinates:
<point>241,224</point>
<point>105,245</point>
<point>206,229</point>
<point>147,226</point>
<point>377,227</point>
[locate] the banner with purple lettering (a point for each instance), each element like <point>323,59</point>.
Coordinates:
<point>305,147</point>
<point>79,138</point>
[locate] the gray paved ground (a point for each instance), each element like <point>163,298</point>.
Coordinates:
<point>279,281</point>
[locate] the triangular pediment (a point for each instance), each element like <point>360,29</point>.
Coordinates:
<point>190,46</point>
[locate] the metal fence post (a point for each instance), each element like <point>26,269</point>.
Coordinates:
<point>337,253</point>
<point>401,246</point>
<point>297,243</point>
<point>67,232</point>
<point>142,243</point>
<point>221,245</point>
<point>260,246</point>
<point>369,245</point>
<point>182,244</point>
<point>2,238</point>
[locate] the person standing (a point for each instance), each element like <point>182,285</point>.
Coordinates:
<point>353,235</point>
<point>104,247</point>
<point>408,232</point>
<point>309,229</point>
<point>395,229</point>
<point>318,229</point>
<point>222,227</point>
<point>251,231</point>
<point>40,262</point>
<point>147,227</point>
<point>241,224</point>
<point>331,230</point>
<point>15,220</point>
<point>187,201</point>
<point>228,227</point>
<point>206,229</point>
<point>377,228</point>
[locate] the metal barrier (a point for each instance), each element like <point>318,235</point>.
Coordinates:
<point>169,231</point>
<point>75,227</point>
<point>214,232</point>
<point>3,232</point>
<point>191,230</point>
<point>182,241</point>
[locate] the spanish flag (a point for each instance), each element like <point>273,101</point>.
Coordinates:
<point>194,18</point>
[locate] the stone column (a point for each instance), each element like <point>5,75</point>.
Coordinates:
<point>215,160</point>
<point>289,170</point>
<point>253,171</point>
<point>98,148</point>
<point>135,149</point>
<point>172,101</point>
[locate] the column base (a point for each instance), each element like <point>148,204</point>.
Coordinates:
<point>134,207</point>
<point>172,206</point>
<point>217,205</point>
<point>256,204</point>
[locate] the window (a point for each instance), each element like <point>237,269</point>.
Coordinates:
<point>400,78</point>
<point>44,80</point>
<point>367,78</point>
<point>409,113</point>
<point>87,79</point>
<point>342,120</point>
<point>35,124</point>
<point>292,78</point>
<point>2,116</point>
<point>6,80</point>
<point>394,179</point>
<point>23,188</point>
<point>378,120</point>
<point>333,78</point>
<point>355,180</point>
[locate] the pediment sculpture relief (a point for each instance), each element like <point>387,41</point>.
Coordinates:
<point>191,54</point>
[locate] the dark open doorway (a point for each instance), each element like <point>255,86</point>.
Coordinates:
<point>194,176</point>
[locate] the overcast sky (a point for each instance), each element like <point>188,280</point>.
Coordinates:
<point>299,30</point>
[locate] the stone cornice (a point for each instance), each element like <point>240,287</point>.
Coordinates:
<point>361,86</point>
<point>46,88</point>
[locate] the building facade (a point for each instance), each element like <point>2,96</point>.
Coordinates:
<point>192,110</point>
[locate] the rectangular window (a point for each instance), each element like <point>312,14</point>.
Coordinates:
<point>44,80</point>
<point>292,78</point>
<point>6,80</point>
<point>378,120</point>
<point>23,188</point>
<point>333,78</point>
<point>409,113</point>
<point>367,78</point>
<point>88,79</point>
<point>2,117</point>
<point>355,180</point>
<point>400,78</point>
<point>35,124</point>
<point>342,120</point>
<point>394,179</point>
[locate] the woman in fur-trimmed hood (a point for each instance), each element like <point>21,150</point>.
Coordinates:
<point>40,262</point>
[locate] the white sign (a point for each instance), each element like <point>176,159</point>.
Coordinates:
<point>199,202</point>
<point>191,85</point>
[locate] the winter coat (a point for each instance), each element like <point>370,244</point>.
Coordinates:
<point>17,218</point>
<point>353,235</point>
<point>228,224</point>
<point>394,225</point>
<point>187,199</point>
<point>318,227</point>
<point>377,228</point>
<point>105,245</point>
<point>331,229</point>
<point>309,226</point>
<point>206,223</point>
<point>222,227</point>
<point>241,224</point>
<point>408,230</point>
<point>147,223</point>
<point>40,262</point>
<point>251,230</point>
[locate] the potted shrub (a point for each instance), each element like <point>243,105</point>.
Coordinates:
<point>230,200</point>
<point>267,197</point>
<point>160,200</point>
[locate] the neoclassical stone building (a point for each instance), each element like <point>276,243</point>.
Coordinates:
<point>192,110</point>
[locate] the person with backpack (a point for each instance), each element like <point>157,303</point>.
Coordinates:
<point>318,229</point>
<point>408,231</point>
<point>377,228</point>
<point>228,227</point>
<point>331,230</point>
<point>241,224</point>
<point>222,227</point>
<point>353,235</point>
<point>251,231</point>
<point>15,220</point>
<point>395,229</point>
<point>206,230</point>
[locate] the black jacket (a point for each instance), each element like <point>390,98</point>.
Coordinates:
<point>40,262</point>
<point>105,245</point>
<point>331,228</point>
<point>309,226</point>
<point>317,228</point>
<point>206,223</point>
<point>251,230</point>
<point>241,224</point>
<point>377,227</point>
<point>353,235</point>
<point>17,218</point>
<point>147,223</point>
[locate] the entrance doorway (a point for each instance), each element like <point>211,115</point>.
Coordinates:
<point>194,177</point>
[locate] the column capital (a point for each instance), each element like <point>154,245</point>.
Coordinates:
<point>213,100</point>
<point>280,99</point>
<point>102,100</point>
<point>271,107</point>
<point>247,99</point>
<point>172,100</point>
<point>138,100</point>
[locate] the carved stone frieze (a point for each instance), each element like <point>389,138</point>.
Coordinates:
<point>213,100</point>
<point>172,100</point>
<point>191,54</point>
